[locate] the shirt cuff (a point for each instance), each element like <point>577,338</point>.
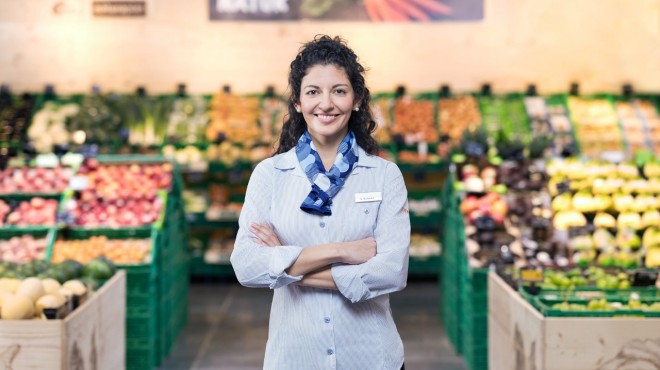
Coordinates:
<point>349,283</point>
<point>283,257</point>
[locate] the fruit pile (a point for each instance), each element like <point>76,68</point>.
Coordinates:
<point>119,251</point>
<point>596,125</point>
<point>21,249</point>
<point>649,114</point>
<point>550,121</point>
<point>123,195</point>
<point>234,118</point>
<point>604,305</point>
<point>505,119</point>
<point>49,128</point>
<point>96,121</point>
<point>456,115</point>
<point>424,246</point>
<point>634,131</point>
<point>594,277</point>
<point>414,121</point>
<point>33,212</point>
<point>271,118</point>
<point>41,290</point>
<point>187,120</point>
<point>381,112</point>
<point>15,180</point>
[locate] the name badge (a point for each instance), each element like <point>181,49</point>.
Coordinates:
<point>368,197</point>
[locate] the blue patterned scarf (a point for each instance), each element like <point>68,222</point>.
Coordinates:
<point>325,184</point>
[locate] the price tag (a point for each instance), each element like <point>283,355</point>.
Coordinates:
<point>423,149</point>
<point>201,166</point>
<point>531,275</point>
<point>589,294</point>
<point>47,160</point>
<point>613,156</point>
<point>78,183</point>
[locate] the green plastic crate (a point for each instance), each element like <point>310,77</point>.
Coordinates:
<point>140,354</point>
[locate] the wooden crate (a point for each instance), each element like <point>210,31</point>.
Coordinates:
<point>520,338</point>
<point>91,338</point>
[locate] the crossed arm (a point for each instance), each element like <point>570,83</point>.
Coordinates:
<point>314,263</point>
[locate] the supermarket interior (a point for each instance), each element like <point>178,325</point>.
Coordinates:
<point>525,131</point>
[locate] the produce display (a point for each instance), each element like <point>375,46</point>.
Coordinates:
<point>49,125</point>
<point>21,249</point>
<point>414,120</point>
<point>96,121</point>
<point>121,195</point>
<point>192,158</point>
<point>649,114</point>
<point>15,115</point>
<point>596,126</point>
<point>187,120</point>
<point>119,251</point>
<point>234,118</point>
<point>33,212</point>
<point>219,249</point>
<point>40,290</point>
<point>550,122</point>
<point>145,117</point>
<point>20,180</point>
<point>424,246</point>
<point>505,119</point>
<point>381,109</point>
<point>634,131</point>
<point>456,115</point>
<point>271,118</point>
<point>4,211</point>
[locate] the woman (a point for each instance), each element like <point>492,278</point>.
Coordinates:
<point>325,224</point>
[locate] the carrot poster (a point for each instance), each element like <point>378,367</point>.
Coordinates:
<point>348,10</point>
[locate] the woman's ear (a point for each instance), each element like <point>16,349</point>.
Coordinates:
<point>297,107</point>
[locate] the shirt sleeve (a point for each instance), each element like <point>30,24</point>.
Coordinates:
<point>386,272</point>
<point>258,266</point>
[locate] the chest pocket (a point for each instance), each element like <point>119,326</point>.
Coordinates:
<point>360,220</point>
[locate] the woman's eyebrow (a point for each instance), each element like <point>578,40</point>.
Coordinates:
<point>333,86</point>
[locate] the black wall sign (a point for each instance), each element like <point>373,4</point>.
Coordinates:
<point>119,8</point>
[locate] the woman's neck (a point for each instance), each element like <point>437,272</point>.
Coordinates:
<point>328,154</point>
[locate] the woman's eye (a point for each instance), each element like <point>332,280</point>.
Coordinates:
<point>311,92</point>
<point>340,91</point>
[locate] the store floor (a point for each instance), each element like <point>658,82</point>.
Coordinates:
<point>228,325</point>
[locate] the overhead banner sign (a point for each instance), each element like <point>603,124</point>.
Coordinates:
<point>119,8</point>
<point>348,10</point>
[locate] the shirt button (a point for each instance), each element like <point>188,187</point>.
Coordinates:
<point>366,211</point>
<point>330,352</point>
<point>326,320</point>
<point>322,224</point>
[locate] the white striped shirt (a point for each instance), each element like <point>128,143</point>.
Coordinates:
<point>311,328</point>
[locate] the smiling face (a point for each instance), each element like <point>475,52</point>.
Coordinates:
<point>326,102</point>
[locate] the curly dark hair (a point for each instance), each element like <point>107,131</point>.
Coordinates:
<point>326,50</point>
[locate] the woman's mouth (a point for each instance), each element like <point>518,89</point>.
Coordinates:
<point>326,118</point>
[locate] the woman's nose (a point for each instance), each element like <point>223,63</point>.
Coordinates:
<point>326,103</point>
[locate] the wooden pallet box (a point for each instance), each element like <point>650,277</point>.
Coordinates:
<point>521,338</point>
<point>92,337</point>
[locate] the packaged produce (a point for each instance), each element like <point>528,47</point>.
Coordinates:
<point>234,118</point>
<point>414,120</point>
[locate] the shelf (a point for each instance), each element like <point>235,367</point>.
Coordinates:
<point>428,266</point>
<point>200,268</point>
<point>198,220</point>
<point>430,222</point>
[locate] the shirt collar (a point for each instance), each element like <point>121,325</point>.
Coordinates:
<point>289,160</point>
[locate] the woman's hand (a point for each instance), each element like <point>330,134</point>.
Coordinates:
<point>358,251</point>
<point>265,235</point>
